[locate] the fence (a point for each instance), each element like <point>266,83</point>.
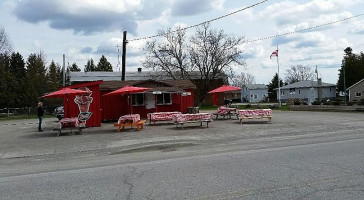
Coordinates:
<point>7,112</point>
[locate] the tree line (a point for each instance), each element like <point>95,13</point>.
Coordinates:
<point>22,82</point>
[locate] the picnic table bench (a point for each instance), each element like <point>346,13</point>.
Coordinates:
<point>181,119</point>
<point>130,120</point>
<point>255,114</point>
<point>139,125</point>
<point>225,112</point>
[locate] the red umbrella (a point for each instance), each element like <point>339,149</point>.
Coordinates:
<point>65,92</point>
<point>223,88</point>
<point>128,90</point>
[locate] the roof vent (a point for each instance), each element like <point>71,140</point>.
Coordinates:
<point>139,69</point>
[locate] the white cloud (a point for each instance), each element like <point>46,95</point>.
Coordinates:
<point>193,7</point>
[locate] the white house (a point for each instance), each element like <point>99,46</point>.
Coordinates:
<point>308,91</point>
<point>254,93</point>
<point>356,91</point>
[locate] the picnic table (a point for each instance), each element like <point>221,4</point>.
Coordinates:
<point>255,114</point>
<point>130,120</point>
<point>161,116</point>
<point>68,123</point>
<point>181,119</point>
<point>225,112</point>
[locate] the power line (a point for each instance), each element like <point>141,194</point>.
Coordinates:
<point>188,27</point>
<point>295,31</point>
<point>302,30</point>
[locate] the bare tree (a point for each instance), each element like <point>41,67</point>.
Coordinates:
<point>212,54</point>
<point>242,79</point>
<point>299,73</point>
<point>206,57</point>
<point>5,45</point>
<point>169,57</point>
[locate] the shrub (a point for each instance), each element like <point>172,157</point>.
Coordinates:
<point>297,102</point>
<point>317,102</point>
<point>248,106</point>
<point>275,106</point>
<point>336,103</point>
<point>361,102</point>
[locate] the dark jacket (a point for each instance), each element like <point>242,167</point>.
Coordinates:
<point>40,111</point>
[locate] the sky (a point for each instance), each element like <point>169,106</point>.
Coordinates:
<point>86,29</point>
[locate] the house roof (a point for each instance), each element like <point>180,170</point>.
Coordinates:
<point>256,86</point>
<point>306,84</point>
<point>357,83</point>
<point>162,85</point>
<point>137,75</point>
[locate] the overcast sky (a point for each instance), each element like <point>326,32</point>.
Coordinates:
<point>84,29</point>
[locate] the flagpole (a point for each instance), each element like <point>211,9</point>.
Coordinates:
<point>279,85</point>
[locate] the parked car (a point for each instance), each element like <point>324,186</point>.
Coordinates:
<point>59,112</point>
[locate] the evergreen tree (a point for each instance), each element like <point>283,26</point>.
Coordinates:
<point>17,66</point>
<point>354,70</point>
<point>104,65</point>
<point>18,71</point>
<point>7,82</point>
<point>74,68</point>
<point>53,77</point>
<point>272,94</point>
<point>36,79</point>
<point>90,66</point>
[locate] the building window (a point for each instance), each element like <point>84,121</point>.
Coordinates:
<point>299,91</point>
<point>358,94</point>
<point>164,98</point>
<point>138,99</point>
<point>255,96</point>
<point>282,93</point>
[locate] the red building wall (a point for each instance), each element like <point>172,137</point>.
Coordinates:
<point>112,107</point>
<point>71,109</point>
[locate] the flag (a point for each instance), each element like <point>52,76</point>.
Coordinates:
<point>274,53</point>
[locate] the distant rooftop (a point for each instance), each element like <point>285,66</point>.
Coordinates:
<point>306,84</point>
<point>256,86</point>
<point>116,76</point>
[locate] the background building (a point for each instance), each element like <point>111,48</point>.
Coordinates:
<point>308,91</point>
<point>254,93</point>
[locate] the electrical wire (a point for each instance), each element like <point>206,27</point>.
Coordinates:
<point>303,30</point>
<point>196,25</point>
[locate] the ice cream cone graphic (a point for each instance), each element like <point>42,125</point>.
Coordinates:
<point>84,102</point>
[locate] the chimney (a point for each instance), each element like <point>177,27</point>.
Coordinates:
<point>139,69</point>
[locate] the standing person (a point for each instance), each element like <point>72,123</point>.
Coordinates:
<point>40,111</point>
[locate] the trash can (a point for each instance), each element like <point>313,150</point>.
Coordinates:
<point>193,110</point>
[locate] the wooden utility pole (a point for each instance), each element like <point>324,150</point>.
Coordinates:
<point>123,57</point>
<point>64,70</point>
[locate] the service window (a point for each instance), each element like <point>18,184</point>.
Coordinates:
<point>164,98</point>
<point>138,99</point>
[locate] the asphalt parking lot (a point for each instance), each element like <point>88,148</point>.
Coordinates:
<point>19,138</point>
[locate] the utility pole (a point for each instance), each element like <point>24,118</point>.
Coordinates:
<point>279,82</point>
<point>319,86</point>
<point>64,70</point>
<point>123,57</point>
<point>344,80</point>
